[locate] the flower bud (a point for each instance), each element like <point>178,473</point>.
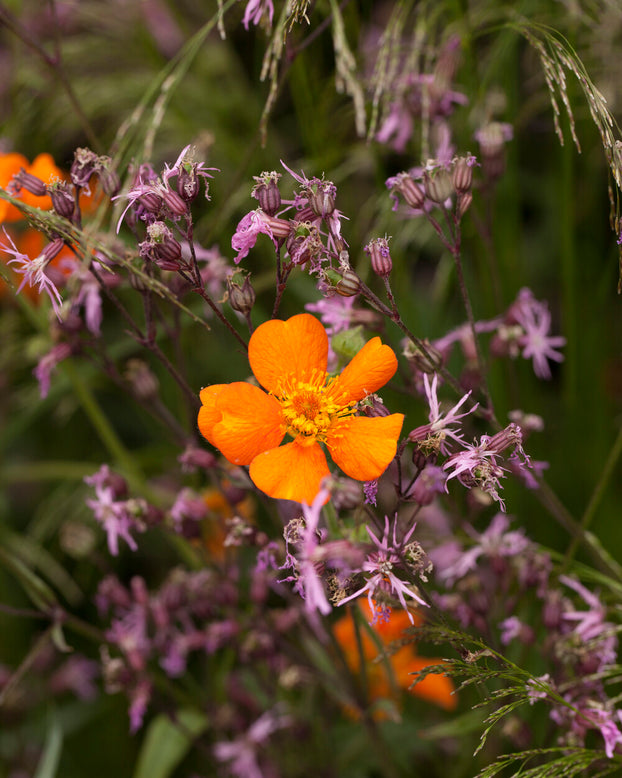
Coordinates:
<point>492,138</point>
<point>109,180</point>
<point>349,284</point>
<point>281,228</point>
<point>306,214</point>
<point>241,293</point>
<point>187,184</point>
<point>85,164</point>
<point>462,174</point>
<point>151,202</point>
<point>428,361</point>
<point>378,250</point>
<point>322,201</point>
<point>429,483</point>
<point>63,201</point>
<point>194,458</point>
<point>464,203</point>
<point>142,380</point>
<point>169,250</point>
<point>438,184</point>
<point>52,249</point>
<point>30,183</point>
<point>413,194</point>
<point>346,494</point>
<point>373,407</point>
<point>266,191</point>
<point>174,203</point>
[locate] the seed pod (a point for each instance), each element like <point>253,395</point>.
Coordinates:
<point>241,295</point>
<point>438,185</point>
<point>30,183</point>
<point>349,284</point>
<point>378,250</point>
<point>176,205</point>
<point>63,201</point>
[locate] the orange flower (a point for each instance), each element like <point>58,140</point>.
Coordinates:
<point>289,359</point>
<point>403,662</point>
<point>43,167</point>
<point>220,509</point>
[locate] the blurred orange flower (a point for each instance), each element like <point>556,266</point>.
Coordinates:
<point>289,359</point>
<point>43,167</point>
<point>435,688</point>
<point>219,510</point>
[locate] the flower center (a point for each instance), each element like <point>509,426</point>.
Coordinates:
<point>308,408</point>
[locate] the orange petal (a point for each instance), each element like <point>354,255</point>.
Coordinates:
<point>435,688</point>
<point>10,165</point>
<point>240,420</point>
<point>371,368</point>
<point>291,472</point>
<point>363,447</point>
<point>297,347</point>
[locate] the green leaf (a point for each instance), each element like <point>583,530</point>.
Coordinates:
<point>39,592</point>
<point>50,758</point>
<point>167,742</point>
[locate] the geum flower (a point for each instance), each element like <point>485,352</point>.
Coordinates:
<point>389,663</point>
<point>289,359</point>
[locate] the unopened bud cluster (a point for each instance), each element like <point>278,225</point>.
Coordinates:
<point>437,185</point>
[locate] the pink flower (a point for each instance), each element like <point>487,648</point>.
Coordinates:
<point>245,235</point>
<point>241,753</point>
<point>478,464</point>
<point>535,319</point>
<point>255,9</point>
<point>442,425</point>
<point>47,364</point>
<point>380,563</point>
<point>33,270</point>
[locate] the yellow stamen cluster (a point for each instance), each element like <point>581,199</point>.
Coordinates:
<point>308,408</point>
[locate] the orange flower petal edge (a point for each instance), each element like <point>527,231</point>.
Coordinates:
<point>373,366</point>
<point>291,472</point>
<point>363,447</point>
<point>279,349</point>
<point>240,420</point>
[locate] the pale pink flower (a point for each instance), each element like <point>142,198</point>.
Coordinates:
<point>33,270</point>
<point>255,9</point>
<point>379,566</point>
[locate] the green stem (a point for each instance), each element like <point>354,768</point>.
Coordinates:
<point>102,426</point>
<point>597,496</point>
<point>330,514</point>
